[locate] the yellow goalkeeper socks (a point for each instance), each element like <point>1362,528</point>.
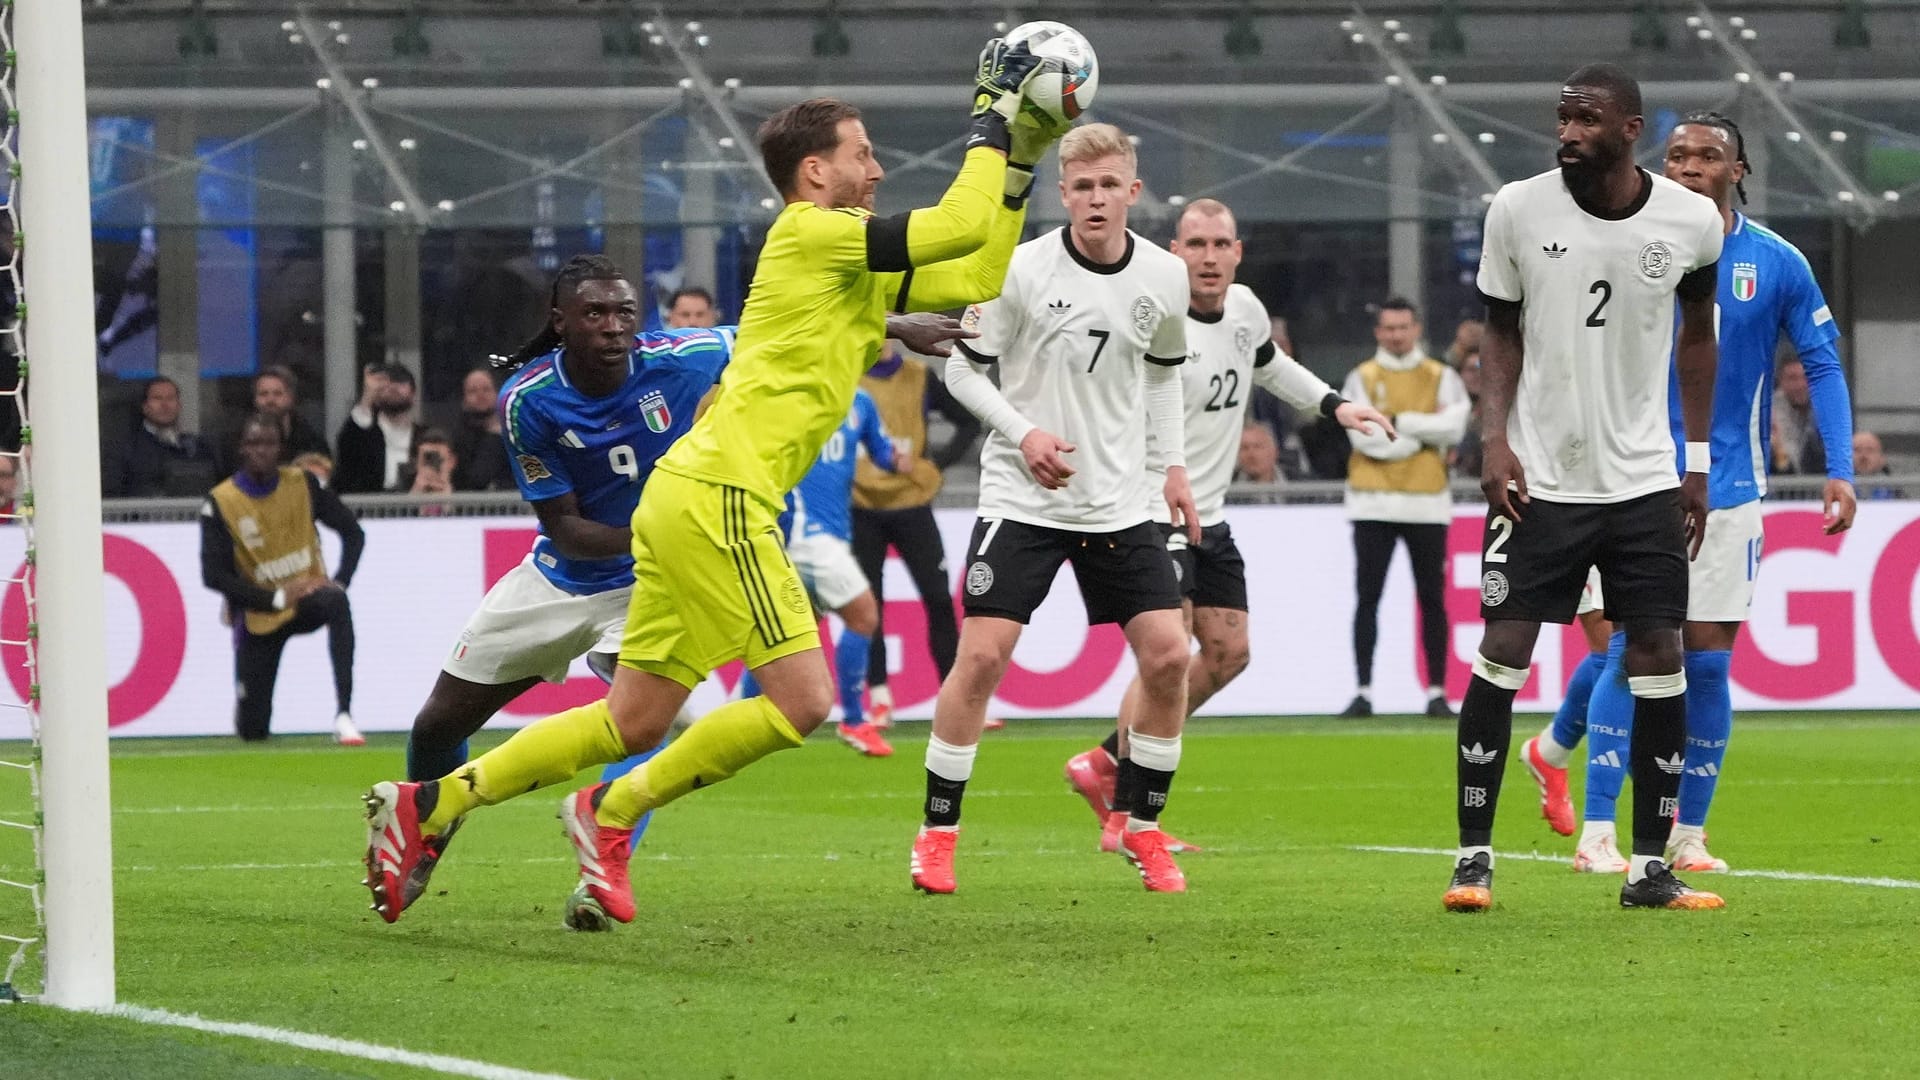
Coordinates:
<point>545,752</point>
<point>720,744</point>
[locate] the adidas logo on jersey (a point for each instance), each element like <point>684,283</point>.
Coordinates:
<point>1479,755</point>
<point>1610,759</point>
<point>1669,766</point>
<point>1554,251</point>
<point>1059,307</point>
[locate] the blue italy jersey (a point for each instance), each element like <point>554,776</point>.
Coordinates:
<point>1766,289</point>
<point>823,502</point>
<point>603,449</point>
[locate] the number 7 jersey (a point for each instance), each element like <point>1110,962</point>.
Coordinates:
<point>1070,338</point>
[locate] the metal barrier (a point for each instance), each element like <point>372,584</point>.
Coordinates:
<point>956,495</point>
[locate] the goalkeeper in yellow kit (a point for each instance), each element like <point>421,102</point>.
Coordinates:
<point>711,578</point>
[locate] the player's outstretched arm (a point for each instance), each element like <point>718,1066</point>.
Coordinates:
<point>1502,479</point>
<point>1381,444</point>
<point>970,279</point>
<point>1695,358</point>
<point>928,333</point>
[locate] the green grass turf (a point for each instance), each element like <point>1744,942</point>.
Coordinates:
<point>778,937</point>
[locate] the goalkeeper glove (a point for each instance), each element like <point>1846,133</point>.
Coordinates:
<point>1004,70</point>
<point>1031,134</point>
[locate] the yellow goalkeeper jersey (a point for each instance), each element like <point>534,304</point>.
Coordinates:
<point>816,315</point>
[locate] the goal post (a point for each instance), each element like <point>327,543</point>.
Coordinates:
<point>60,417</point>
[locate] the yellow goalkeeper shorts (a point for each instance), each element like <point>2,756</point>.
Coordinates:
<point>711,583</point>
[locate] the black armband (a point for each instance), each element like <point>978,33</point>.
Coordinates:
<point>887,244</point>
<point>977,357</point>
<point>1699,284</point>
<point>1331,404</point>
<point>1167,361</point>
<point>1264,355</point>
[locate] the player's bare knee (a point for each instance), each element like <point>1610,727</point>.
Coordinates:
<point>1225,659</point>
<point>1509,643</point>
<point>1163,663</point>
<point>1653,647</point>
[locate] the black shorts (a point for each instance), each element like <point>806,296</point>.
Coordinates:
<point>1213,574</point>
<point>1011,566</point>
<point>1533,570</point>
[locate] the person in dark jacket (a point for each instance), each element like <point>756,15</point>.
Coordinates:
<point>159,459</point>
<point>376,439</point>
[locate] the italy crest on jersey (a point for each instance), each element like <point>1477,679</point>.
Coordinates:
<point>654,408</point>
<point>1746,281</point>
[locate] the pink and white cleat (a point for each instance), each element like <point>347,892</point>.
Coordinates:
<point>604,892</point>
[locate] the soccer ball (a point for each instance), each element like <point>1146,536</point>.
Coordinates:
<point>1069,72</point>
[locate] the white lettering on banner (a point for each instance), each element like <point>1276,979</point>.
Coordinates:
<point>1835,624</point>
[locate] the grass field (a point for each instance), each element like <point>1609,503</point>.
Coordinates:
<point>778,937</point>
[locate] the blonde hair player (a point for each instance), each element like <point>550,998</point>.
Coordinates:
<point>1091,323</point>
<point>1229,351</point>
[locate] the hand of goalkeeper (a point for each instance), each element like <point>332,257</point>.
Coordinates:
<point>997,92</point>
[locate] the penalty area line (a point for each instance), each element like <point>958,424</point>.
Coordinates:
<point>1770,875</point>
<point>328,1044</point>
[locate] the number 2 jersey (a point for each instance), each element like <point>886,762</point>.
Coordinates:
<point>1589,418</point>
<point>601,450</point>
<point>1070,338</point>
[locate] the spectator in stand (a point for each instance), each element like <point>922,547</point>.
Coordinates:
<point>1464,459</point>
<point>431,472</point>
<point>1869,462</point>
<point>159,459</point>
<point>691,308</point>
<point>894,508</point>
<point>1397,492</point>
<point>1466,342</point>
<point>1285,424</point>
<point>275,394</point>
<point>376,440</point>
<point>1796,438</point>
<point>477,445</point>
<point>1259,459</point>
<point>259,548</point>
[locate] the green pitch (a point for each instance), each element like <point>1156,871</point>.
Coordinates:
<point>778,937</point>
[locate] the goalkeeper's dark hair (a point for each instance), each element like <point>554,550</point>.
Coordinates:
<point>1709,118</point>
<point>797,133</point>
<point>579,270</point>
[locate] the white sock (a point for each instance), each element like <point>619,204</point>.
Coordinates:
<point>1593,831</point>
<point>1552,752</point>
<point>880,696</point>
<point>1639,866</point>
<point>1470,852</point>
<point>1364,692</point>
<point>950,762</point>
<point>1435,693</point>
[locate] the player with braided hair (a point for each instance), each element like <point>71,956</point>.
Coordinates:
<point>1765,289</point>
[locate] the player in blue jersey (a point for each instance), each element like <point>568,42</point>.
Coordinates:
<point>820,544</point>
<point>1766,289</point>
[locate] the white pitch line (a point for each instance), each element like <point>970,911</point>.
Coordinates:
<point>1771,875</point>
<point>328,1044</point>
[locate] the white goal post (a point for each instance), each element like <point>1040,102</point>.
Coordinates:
<point>62,396</point>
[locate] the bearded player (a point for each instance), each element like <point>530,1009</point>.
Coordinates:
<point>1229,351</point>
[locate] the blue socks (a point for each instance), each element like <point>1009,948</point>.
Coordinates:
<point>850,671</point>
<point>1609,733</point>
<point>1570,723</point>
<point>749,686</point>
<point>1709,721</point>
<point>424,764</point>
<point>621,768</point>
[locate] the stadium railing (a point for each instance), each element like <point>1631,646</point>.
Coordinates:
<point>1292,492</point>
